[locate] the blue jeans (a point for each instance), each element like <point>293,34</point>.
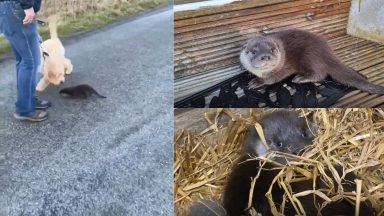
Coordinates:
<point>25,46</point>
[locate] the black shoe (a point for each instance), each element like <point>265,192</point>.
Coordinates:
<point>37,116</point>
<point>42,104</point>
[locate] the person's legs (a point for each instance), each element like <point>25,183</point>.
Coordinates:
<point>39,104</point>
<point>18,61</point>
<point>25,45</point>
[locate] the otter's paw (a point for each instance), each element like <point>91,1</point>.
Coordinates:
<point>255,83</point>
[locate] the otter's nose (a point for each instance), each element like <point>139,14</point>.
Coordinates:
<point>265,57</point>
<point>61,82</point>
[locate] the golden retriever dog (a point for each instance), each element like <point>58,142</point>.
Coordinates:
<point>54,64</point>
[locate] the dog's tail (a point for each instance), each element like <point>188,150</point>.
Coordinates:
<point>52,25</point>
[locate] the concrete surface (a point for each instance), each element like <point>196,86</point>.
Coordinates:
<point>108,156</point>
<point>366,20</point>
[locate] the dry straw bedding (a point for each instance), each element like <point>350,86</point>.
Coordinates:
<point>351,138</point>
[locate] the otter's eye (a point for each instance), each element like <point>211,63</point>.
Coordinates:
<point>253,51</point>
<point>279,144</point>
<point>247,51</point>
<point>273,50</point>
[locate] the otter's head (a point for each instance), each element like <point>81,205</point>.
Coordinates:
<point>284,131</point>
<point>260,55</point>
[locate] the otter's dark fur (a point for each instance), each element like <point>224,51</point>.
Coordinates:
<point>80,92</point>
<point>279,55</point>
<point>237,192</point>
<point>284,131</point>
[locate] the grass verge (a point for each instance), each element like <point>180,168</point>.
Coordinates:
<point>91,20</point>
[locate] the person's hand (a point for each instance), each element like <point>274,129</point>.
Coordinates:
<point>29,15</point>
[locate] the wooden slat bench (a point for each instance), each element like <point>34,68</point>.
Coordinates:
<point>208,41</point>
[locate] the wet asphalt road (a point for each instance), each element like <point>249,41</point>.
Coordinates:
<point>108,156</point>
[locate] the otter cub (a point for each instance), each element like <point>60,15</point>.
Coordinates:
<point>80,92</point>
<point>279,55</point>
<point>284,131</point>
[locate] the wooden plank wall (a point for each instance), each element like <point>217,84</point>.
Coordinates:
<point>178,2</point>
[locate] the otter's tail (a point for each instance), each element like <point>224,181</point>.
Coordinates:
<point>206,208</point>
<point>52,25</point>
<point>97,94</point>
<point>355,79</point>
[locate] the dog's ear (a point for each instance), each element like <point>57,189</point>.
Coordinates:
<point>45,54</point>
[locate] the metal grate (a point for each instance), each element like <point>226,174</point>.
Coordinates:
<point>234,93</point>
